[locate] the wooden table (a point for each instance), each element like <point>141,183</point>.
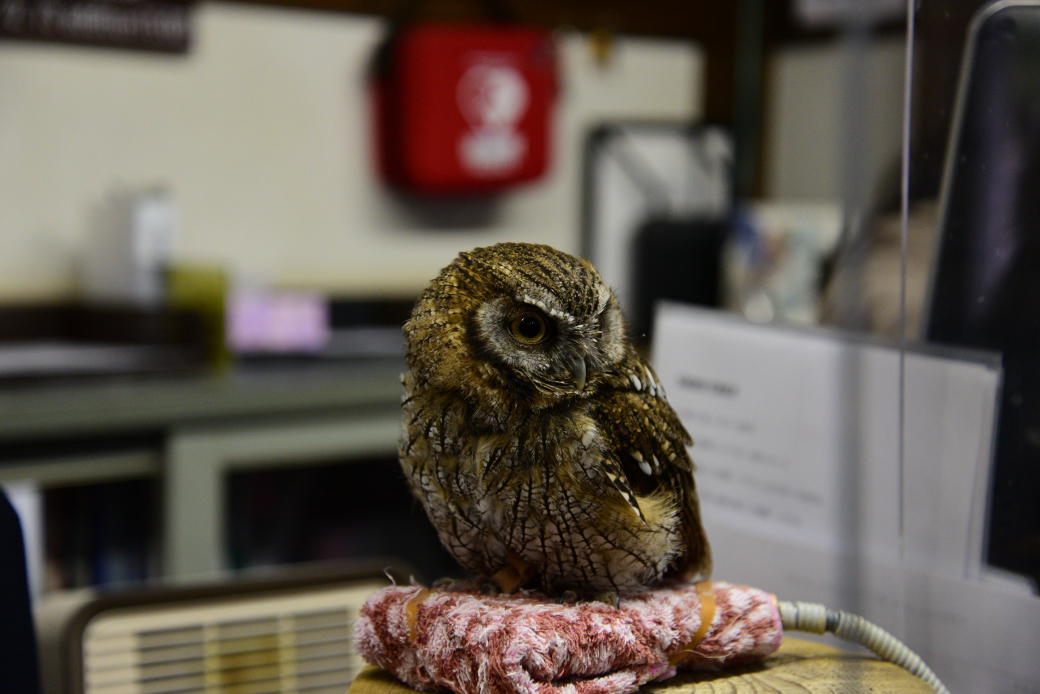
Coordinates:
<point>799,666</point>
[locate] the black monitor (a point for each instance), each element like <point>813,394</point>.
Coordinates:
<point>985,290</point>
<point>18,665</point>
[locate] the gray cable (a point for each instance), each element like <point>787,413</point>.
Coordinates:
<point>817,619</point>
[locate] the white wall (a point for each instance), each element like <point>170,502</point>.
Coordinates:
<point>262,133</point>
<point>804,141</point>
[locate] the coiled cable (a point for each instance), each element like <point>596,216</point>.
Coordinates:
<point>817,619</point>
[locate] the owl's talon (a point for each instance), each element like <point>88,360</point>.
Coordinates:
<point>568,597</point>
<point>443,583</point>
<point>609,597</point>
<point>514,575</point>
<point>508,580</point>
<point>453,585</point>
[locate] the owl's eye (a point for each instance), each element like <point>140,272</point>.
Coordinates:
<point>528,328</point>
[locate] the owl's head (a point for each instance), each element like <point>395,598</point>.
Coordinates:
<point>516,322</point>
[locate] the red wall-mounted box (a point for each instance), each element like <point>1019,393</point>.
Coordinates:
<point>465,108</point>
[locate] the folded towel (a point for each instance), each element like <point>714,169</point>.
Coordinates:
<point>469,643</point>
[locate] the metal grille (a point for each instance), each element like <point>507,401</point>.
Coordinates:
<point>300,643</point>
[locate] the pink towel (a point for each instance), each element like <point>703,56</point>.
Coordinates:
<point>469,643</point>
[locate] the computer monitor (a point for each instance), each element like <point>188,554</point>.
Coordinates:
<point>985,289</point>
<point>18,663</point>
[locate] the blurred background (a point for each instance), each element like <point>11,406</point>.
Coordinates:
<point>215,216</point>
<point>213,199</point>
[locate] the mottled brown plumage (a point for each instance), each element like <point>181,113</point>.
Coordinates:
<point>538,440</point>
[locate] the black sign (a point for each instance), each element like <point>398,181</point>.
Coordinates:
<point>152,25</point>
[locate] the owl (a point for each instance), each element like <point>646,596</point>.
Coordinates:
<point>538,440</point>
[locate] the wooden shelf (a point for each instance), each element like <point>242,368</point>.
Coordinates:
<point>130,405</point>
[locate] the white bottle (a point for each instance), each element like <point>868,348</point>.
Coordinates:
<point>129,246</point>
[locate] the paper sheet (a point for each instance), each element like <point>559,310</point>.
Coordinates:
<point>797,436</point>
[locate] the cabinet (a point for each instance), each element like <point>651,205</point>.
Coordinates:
<point>191,433</point>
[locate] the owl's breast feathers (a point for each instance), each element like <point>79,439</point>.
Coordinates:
<point>596,493</point>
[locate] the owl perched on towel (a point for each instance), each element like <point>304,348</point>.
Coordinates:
<point>538,440</point>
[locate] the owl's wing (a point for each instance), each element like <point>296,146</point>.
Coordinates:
<point>648,443</point>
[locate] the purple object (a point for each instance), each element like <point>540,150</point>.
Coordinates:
<point>277,322</point>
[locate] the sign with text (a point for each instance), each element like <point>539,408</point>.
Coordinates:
<point>150,25</point>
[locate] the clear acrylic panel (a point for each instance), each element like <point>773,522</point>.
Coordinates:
<point>928,518</point>
<point>971,278</point>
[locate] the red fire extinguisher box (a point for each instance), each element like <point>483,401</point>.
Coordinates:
<point>465,109</point>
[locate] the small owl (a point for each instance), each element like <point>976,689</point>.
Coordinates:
<point>537,439</point>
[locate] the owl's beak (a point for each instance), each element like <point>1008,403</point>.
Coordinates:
<point>578,372</point>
